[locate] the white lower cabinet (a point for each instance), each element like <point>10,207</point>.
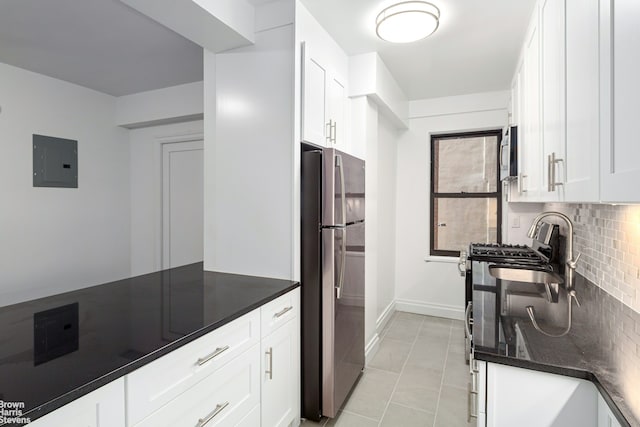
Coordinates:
<point>101,407</point>
<point>281,361</point>
<point>280,393</point>
<point>526,398</point>
<point>244,374</point>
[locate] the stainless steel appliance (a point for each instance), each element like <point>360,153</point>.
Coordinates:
<point>509,154</point>
<point>332,272</point>
<point>490,299</point>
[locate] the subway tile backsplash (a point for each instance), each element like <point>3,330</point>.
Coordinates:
<point>608,236</point>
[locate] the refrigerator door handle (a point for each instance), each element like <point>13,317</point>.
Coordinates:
<point>343,262</point>
<point>343,197</point>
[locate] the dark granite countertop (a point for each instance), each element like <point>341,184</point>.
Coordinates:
<point>121,326</point>
<point>603,346</point>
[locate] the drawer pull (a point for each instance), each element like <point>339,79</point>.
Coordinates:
<point>204,421</point>
<point>283,311</point>
<point>270,370</point>
<point>218,351</point>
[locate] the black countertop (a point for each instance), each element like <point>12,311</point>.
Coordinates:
<point>120,327</point>
<point>603,345</point>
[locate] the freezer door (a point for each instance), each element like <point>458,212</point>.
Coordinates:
<point>343,314</point>
<point>343,188</point>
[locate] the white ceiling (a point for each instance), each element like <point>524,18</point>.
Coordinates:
<point>475,49</point>
<point>109,47</point>
<point>100,44</point>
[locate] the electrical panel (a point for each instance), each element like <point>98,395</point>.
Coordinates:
<point>55,162</point>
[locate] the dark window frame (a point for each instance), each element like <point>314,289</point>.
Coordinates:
<point>433,195</point>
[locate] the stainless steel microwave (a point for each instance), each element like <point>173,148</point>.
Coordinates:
<point>509,154</point>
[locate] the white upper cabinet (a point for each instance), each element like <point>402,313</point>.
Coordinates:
<point>552,59</point>
<point>620,100</point>
<point>314,98</point>
<point>324,100</point>
<point>529,135</point>
<point>582,89</point>
<point>563,124</point>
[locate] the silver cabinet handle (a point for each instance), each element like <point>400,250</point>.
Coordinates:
<point>215,353</point>
<point>333,132</point>
<point>283,311</point>
<point>270,370</point>
<point>328,130</point>
<point>219,407</point>
<point>551,173</point>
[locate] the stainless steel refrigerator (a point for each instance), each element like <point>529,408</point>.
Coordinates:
<point>332,272</point>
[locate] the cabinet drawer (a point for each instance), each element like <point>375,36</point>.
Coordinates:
<point>279,311</point>
<point>224,398</point>
<point>155,384</point>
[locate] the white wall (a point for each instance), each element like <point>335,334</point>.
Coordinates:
<point>146,190</point>
<point>386,182</point>
<point>249,156</point>
<point>58,239</point>
<point>433,286</point>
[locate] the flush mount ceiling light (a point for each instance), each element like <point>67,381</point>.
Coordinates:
<point>407,21</point>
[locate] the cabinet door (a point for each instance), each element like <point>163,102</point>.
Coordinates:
<point>525,398</point>
<point>582,80</point>
<point>102,407</point>
<point>314,98</point>
<point>620,96</point>
<point>337,114</point>
<point>529,180</point>
<point>281,376</point>
<point>552,58</point>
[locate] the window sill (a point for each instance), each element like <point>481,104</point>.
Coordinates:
<point>444,259</point>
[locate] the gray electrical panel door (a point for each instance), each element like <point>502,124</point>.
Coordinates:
<point>55,162</point>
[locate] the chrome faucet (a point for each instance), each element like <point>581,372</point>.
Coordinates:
<point>568,256</point>
<point>570,262</point>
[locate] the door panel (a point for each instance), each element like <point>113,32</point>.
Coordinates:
<point>183,203</point>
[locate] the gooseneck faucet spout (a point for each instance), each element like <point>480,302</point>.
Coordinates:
<point>570,262</point>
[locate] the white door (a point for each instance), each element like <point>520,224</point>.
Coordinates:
<point>182,203</point>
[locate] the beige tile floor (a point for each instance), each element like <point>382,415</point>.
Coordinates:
<point>417,378</point>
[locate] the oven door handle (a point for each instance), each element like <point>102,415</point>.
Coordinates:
<point>467,319</point>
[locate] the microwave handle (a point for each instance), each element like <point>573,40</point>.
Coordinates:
<point>502,165</point>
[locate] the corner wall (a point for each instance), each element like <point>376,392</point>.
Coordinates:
<point>54,240</point>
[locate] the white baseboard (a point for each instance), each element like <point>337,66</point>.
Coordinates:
<point>384,318</point>
<point>371,349</point>
<point>430,309</point>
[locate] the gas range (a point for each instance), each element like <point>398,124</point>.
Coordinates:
<point>505,253</point>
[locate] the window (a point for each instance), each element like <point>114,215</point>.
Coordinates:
<point>465,191</point>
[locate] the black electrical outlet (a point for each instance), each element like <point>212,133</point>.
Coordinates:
<point>55,333</point>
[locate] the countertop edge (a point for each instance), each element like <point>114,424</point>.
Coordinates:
<point>93,385</point>
<point>558,370</point>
